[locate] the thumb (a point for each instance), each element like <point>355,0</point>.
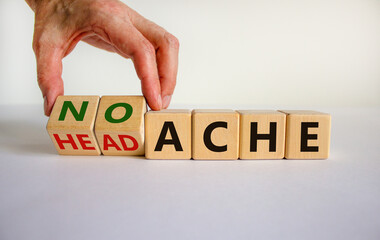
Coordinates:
<point>49,72</point>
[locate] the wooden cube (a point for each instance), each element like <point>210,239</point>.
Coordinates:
<point>71,125</point>
<point>215,134</point>
<point>119,125</point>
<point>168,134</point>
<point>262,134</point>
<point>307,134</point>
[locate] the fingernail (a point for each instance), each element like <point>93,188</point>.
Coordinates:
<point>45,106</point>
<point>166,101</point>
<point>159,102</point>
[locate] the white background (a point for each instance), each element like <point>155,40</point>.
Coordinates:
<point>295,53</point>
<point>323,55</point>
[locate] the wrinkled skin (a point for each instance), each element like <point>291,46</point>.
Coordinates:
<point>110,25</point>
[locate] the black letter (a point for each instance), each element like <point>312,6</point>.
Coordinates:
<point>271,136</point>
<point>175,140</point>
<point>207,137</point>
<point>306,136</point>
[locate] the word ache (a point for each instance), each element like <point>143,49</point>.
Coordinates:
<point>121,125</point>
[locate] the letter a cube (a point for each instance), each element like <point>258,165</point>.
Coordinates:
<point>215,134</point>
<point>307,134</point>
<point>119,125</point>
<point>71,125</point>
<point>168,134</point>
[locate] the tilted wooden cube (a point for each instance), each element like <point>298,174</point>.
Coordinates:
<point>119,125</point>
<point>262,134</point>
<point>215,134</point>
<point>168,134</point>
<point>71,125</point>
<point>307,134</point>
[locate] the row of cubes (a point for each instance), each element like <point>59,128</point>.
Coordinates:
<point>121,125</point>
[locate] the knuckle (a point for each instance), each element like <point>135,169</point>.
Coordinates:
<point>36,45</point>
<point>103,6</point>
<point>148,48</point>
<point>171,40</point>
<point>43,83</point>
<point>42,78</point>
<point>104,11</point>
<point>40,42</point>
<point>96,8</point>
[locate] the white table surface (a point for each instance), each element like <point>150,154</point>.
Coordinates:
<point>47,196</point>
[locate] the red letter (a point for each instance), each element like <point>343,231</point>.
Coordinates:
<point>61,142</point>
<point>83,142</point>
<point>111,144</point>
<point>135,144</point>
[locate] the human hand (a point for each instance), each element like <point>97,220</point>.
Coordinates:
<point>110,25</point>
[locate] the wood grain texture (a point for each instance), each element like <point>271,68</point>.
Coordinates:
<point>121,137</point>
<point>263,121</point>
<point>314,143</point>
<point>179,122</point>
<point>225,135</point>
<point>73,134</point>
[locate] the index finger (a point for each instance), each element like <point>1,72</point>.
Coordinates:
<point>167,65</point>
<point>129,42</point>
<point>167,47</point>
